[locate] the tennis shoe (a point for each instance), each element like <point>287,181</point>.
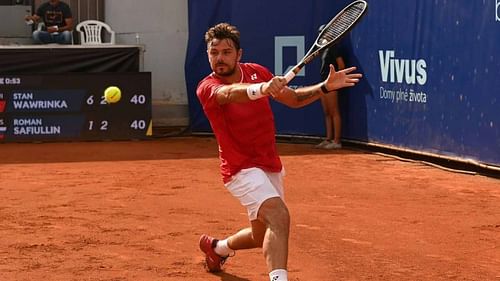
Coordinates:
<point>322,144</point>
<point>333,145</point>
<point>213,261</point>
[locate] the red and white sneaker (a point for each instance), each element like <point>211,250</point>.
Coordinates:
<point>213,261</point>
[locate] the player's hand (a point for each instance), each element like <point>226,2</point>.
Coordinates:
<point>274,86</point>
<point>342,78</point>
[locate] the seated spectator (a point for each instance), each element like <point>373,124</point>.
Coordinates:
<point>57,23</point>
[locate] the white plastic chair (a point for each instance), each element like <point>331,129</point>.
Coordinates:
<point>92,32</point>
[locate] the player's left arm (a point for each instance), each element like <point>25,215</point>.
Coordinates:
<point>296,98</point>
<point>303,96</point>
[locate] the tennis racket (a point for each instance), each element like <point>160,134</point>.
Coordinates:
<point>333,31</point>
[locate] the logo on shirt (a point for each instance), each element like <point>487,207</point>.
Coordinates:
<point>253,77</point>
<point>282,42</point>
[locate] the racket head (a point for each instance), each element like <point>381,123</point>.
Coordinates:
<point>341,24</point>
<point>333,31</point>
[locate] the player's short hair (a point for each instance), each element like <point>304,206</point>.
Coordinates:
<point>223,31</point>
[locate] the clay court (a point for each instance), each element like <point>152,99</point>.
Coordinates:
<point>135,210</point>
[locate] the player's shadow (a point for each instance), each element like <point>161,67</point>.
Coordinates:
<point>224,276</point>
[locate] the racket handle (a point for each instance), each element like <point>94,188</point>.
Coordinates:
<point>289,76</point>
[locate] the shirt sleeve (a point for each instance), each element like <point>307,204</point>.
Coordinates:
<point>67,12</point>
<point>206,94</point>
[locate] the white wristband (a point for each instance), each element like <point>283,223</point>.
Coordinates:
<point>254,91</point>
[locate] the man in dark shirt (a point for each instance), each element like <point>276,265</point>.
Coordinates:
<point>58,23</point>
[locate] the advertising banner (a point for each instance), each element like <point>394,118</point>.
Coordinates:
<point>431,69</point>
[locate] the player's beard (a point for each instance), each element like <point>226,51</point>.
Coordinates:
<point>224,73</point>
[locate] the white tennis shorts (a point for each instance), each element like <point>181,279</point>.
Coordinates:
<point>253,186</point>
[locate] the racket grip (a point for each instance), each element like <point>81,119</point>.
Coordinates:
<point>289,76</point>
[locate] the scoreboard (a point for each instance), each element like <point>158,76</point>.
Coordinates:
<point>71,106</point>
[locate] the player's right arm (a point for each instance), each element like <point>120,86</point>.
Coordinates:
<point>239,92</point>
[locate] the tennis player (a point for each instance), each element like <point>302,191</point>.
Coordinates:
<point>236,99</point>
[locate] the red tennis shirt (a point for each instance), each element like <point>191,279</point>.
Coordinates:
<point>244,131</point>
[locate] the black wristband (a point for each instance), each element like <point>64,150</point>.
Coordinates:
<point>324,89</point>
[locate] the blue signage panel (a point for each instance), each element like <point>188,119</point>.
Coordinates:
<point>431,69</point>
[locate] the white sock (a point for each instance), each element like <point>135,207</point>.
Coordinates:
<point>278,275</point>
<point>222,249</point>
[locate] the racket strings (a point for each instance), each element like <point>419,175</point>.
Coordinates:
<point>341,23</point>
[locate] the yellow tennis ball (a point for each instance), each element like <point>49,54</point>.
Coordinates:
<point>112,94</point>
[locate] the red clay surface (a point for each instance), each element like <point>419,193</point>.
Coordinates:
<point>135,210</point>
